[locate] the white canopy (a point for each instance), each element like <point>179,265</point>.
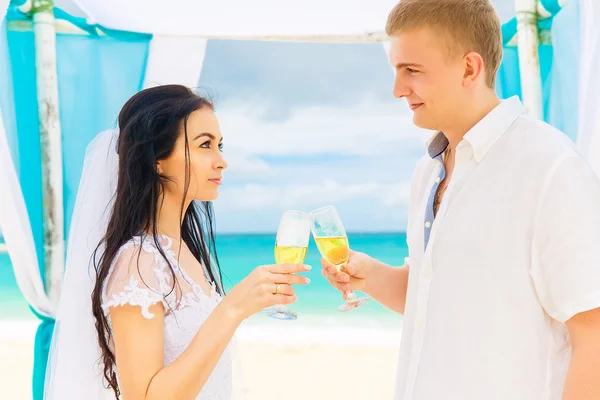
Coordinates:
<point>277,19</point>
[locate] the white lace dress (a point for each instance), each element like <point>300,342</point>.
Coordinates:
<point>142,278</point>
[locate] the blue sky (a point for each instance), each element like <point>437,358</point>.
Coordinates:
<point>307,125</point>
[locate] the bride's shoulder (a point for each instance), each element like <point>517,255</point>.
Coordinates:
<point>139,271</point>
<point>146,243</point>
<point>143,255</point>
<point>146,248</point>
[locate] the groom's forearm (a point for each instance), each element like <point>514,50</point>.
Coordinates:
<point>388,285</point>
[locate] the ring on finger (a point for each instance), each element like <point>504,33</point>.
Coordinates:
<point>277,291</point>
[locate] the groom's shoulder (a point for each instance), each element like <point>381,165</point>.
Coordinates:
<point>540,141</point>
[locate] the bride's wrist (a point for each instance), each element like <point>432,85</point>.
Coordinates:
<point>232,311</point>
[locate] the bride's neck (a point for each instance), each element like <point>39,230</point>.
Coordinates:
<point>170,217</point>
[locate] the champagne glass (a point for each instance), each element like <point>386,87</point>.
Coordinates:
<point>291,246</point>
<point>332,242</point>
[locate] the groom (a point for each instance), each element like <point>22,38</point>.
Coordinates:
<point>501,289</point>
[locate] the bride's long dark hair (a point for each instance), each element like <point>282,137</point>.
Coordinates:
<point>149,125</point>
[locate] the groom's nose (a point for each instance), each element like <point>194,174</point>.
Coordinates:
<point>401,89</point>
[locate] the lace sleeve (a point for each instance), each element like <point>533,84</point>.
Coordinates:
<point>139,277</point>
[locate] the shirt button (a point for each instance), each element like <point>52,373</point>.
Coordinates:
<point>427,273</point>
<point>437,180</point>
<point>412,373</point>
<point>420,324</point>
<point>427,224</point>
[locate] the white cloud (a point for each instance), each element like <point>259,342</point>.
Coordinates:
<point>308,196</point>
<point>241,164</point>
<point>367,129</point>
<point>359,159</point>
<point>306,125</point>
<point>257,208</point>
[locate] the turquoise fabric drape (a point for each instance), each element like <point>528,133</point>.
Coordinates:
<point>96,75</point>
<point>559,65</point>
<point>43,338</point>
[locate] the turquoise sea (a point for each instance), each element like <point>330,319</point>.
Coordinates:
<point>239,254</point>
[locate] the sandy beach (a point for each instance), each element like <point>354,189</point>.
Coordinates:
<point>16,354</point>
<point>281,360</point>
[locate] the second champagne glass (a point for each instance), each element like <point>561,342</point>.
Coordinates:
<point>291,246</point>
<point>332,241</point>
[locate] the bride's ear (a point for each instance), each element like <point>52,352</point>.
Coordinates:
<point>159,168</point>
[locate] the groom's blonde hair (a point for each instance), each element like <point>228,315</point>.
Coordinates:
<point>464,25</point>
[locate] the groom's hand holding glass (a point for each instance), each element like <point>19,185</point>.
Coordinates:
<point>333,244</point>
<point>382,282</point>
<point>352,277</point>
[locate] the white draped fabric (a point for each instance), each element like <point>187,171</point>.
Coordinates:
<point>171,59</point>
<point>3,8</point>
<point>241,18</point>
<point>589,81</point>
<point>227,18</point>
<point>175,59</point>
<point>15,226</point>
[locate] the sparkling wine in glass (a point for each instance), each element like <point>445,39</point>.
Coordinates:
<point>332,241</point>
<point>291,246</point>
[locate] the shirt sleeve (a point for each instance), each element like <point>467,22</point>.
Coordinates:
<point>566,240</point>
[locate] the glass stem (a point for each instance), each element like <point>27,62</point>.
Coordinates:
<point>351,296</point>
<point>350,293</point>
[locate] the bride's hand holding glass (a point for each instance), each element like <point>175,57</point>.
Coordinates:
<point>266,286</point>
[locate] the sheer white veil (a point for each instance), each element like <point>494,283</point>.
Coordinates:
<point>74,371</point>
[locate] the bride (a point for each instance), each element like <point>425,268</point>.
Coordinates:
<point>149,318</point>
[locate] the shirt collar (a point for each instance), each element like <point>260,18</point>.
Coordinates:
<point>437,144</point>
<point>485,133</point>
<point>491,128</point>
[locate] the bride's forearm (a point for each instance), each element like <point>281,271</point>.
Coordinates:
<point>185,377</point>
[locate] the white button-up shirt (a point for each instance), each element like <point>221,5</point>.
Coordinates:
<point>512,254</point>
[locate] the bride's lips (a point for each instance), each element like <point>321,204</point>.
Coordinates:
<point>215,181</point>
<point>414,106</point>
